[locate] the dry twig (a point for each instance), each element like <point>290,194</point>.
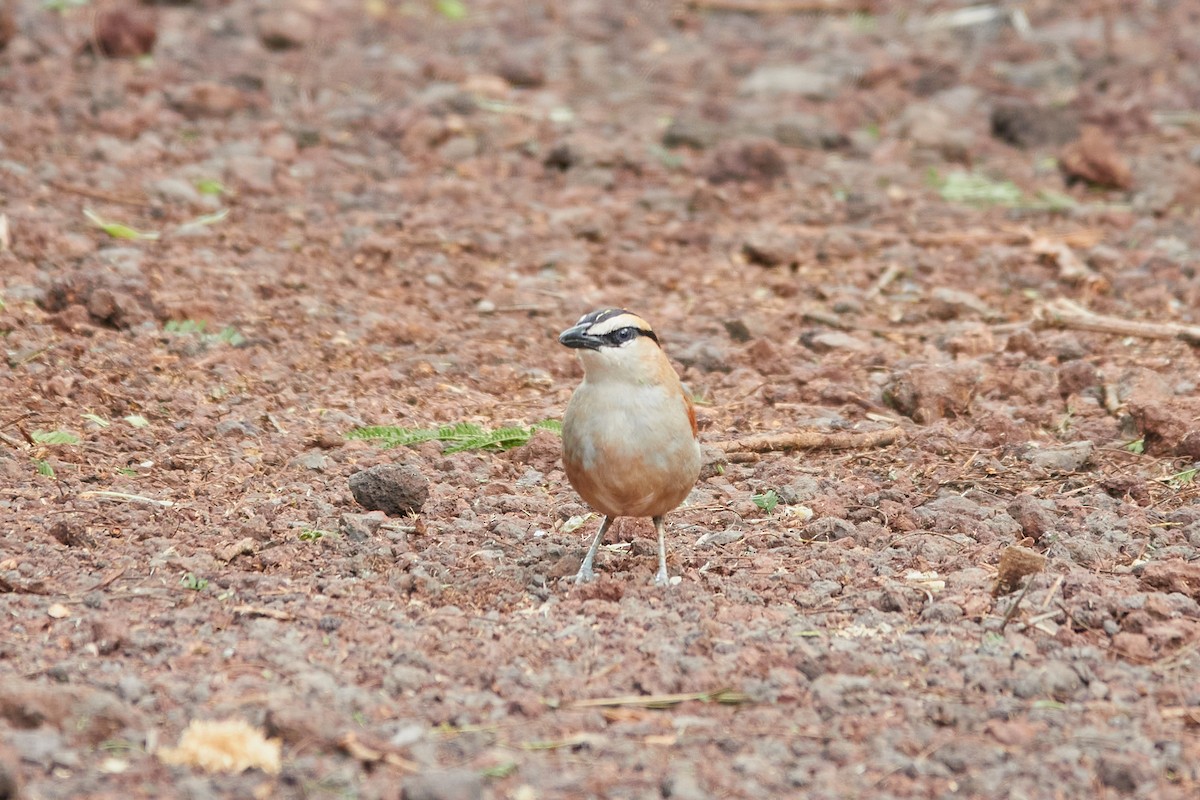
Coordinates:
<point>1063,313</point>
<point>810,440</point>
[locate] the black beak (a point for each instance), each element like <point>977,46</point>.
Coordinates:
<point>578,337</point>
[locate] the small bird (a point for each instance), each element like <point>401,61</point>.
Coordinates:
<point>630,445</point>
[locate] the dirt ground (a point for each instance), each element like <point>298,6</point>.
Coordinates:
<point>978,225</point>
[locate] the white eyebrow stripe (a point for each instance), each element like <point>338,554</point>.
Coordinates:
<point>607,326</point>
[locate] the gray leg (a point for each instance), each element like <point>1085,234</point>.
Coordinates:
<point>585,573</point>
<point>661,578</point>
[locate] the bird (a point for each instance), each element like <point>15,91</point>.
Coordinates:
<point>630,444</point>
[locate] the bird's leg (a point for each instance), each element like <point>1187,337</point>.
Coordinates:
<point>585,573</point>
<point>661,578</point>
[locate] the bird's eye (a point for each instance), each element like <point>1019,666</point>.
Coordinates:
<point>622,335</point>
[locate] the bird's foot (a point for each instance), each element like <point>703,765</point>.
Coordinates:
<point>585,575</point>
<point>661,578</point>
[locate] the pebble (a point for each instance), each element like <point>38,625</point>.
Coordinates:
<point>456,784</point>
<point>256,173</point>
<point>790,79</point>
<point>284,29</point>
<point>395,489</point>
<point>1067,458</point>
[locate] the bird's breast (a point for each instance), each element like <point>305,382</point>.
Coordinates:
<point>629,450</point>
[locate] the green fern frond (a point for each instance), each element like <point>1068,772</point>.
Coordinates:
<point>459,437</point>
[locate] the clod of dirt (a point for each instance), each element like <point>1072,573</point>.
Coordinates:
<point>92,715</point>
<point>1025,124</point>
<point>125,32</point>
<point>1175,575</point>
<point>930,392</point>
<point>1075,377</point>
<point>1031,515</point>
<point>1067,458</point>
<point>1169,425</point>
<point>207,99</point>
<point>1015,563</point>
<point>395,489</point>
<point>522,68</point>
<point>455,784</point>
<point>72,533</point>
<point>10,787</point>
<point>8,29</point>
<point>747,160</point>
<point>769,249</point>
<point>1094,158</point>
<point>285,29</point>
<point>120,307</point>
<point>542,451</point>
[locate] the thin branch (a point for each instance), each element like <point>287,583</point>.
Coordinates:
<point>1063,313</point>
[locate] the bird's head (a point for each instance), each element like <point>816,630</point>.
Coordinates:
<point>616,344</point>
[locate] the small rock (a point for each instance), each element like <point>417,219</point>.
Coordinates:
<point>314,460</point>
<point>1169,424</point>
<point>395,489</point>
<point>701,354</point>
<point>833,341</point>
<point>697,134</point>
<point>681,784</point>
<point>522,68</point>
<point>749,160</point>
<point>284,29</point>
<point>125,32</point>
<point>71,532</point>
<point>1094,158</point>
<point>1025,125</point>
<point>769,249</point>
<point>10,784</point>
<point>456,784</point>
<point>1055,680</point>
<point>109,636</point>
<point>1124,772</point>
<point>1076,377</point>
<point>360,527</point>
<point>244,547</point>
<point>1029,513</point>
<point>174,190</point>
<point>458,148</point>
<point>808,131</point>
<point>256,173</point>
<point>1067,458</point>
<point>790,79</point>
<point>1174,575</point>
<point>1015,563</point>
<point>946,303</point>
<point>8,29</point>
<point>929,392</point>
<point>207,99</point>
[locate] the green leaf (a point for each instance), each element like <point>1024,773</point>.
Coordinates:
<point>500,770</point>
<point>194,583</point>
<point>137,420</point>
<point>54,437</point>
<point>184,326</point>
<point>1136,446</point>
<point>43,467</point>
<point>451,9</point>
<point>766,501</point>
<point>96,418</point>
<point>117,230</point>
<point>976,189</point>
<point>206,219</point>
<point>458,437</point>
<point>231,336</point>
<point>210,186</point>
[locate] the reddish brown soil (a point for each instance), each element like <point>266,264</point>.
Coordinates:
<point>416,206</point>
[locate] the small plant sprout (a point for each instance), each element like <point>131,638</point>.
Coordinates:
<point>192,582</point>
<point>766,501</point>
